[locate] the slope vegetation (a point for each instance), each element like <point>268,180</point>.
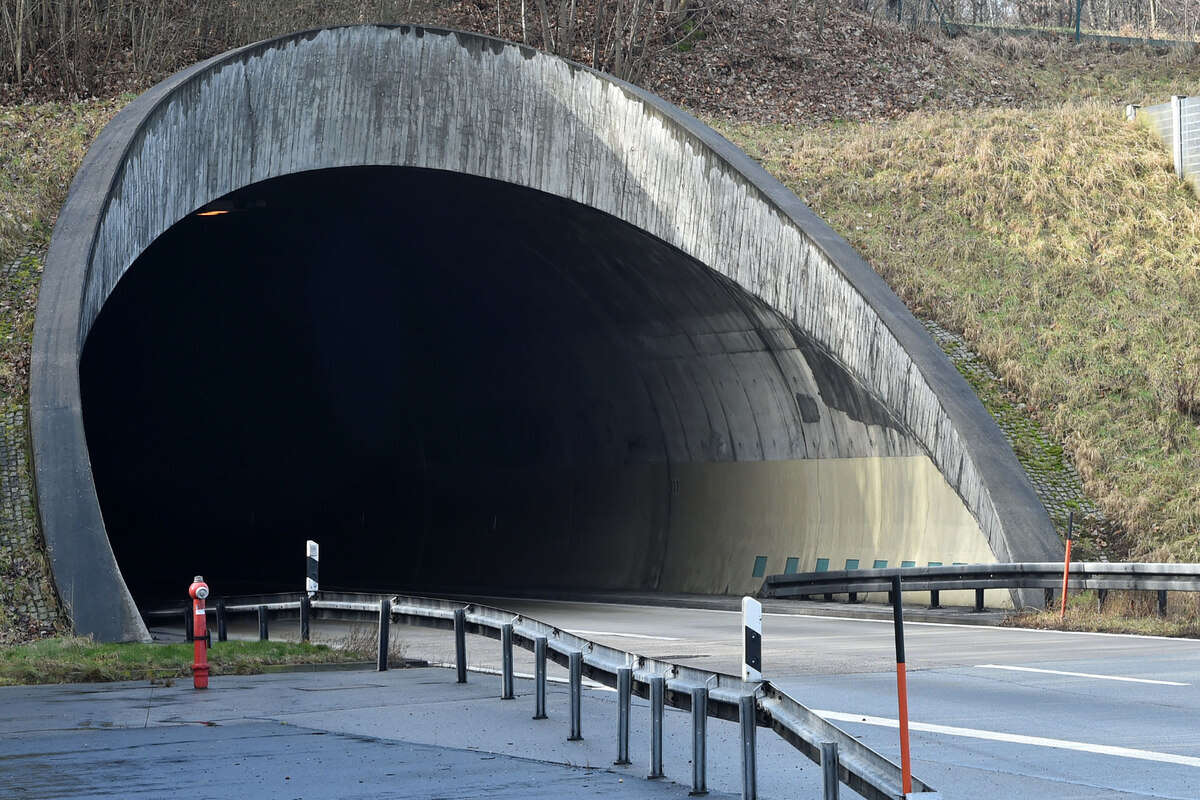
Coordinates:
<point>1064,249</point>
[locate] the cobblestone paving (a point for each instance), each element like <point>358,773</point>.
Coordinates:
<point>29,606</point>
<point>1049,467</point>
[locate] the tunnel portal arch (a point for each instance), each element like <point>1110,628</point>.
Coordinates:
<point>425,99</point>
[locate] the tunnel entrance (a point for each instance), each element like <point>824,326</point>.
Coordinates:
<point>450,382</point>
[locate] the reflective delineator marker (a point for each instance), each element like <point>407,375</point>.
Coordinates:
<point>901,685</point>
<point>752,641</point>
<point>312,561</point>
<point>1062,611</point>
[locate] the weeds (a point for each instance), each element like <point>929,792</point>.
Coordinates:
<point>1124,612</point>
<point>363,642</point>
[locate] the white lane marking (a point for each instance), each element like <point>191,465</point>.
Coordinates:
<point>1015,738</point>
<point>588,683</point>
<point>1178,640</point>
<point>1080,674</point>
<point>626,635</point>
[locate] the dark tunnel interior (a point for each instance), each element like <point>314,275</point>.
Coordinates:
<point>440,378</point>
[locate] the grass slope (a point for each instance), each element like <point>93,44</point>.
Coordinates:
<point>1062,246</point>
<point>79,660</point>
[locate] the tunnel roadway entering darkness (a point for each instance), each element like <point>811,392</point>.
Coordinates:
<point>477,319</point>
<point>449,381</point>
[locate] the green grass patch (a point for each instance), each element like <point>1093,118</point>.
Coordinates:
<point>80,660</point>
<point>1062,247</point>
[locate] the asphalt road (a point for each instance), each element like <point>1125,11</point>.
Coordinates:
<point>995,711</point>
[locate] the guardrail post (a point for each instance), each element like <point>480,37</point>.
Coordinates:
<point>188,633</point>
<point>1101,596</point>
<point>624,701</point>
<point>829,769</point>
<point>699,740</point>
<point>935,598</point>
<point>575,669</point>
<point>506,662</point>
<point>747,711</point>
<point>979,600</point>
<point>460,643</point>
<point>1048,598</point>
<point>539,677</point>
<point>222,633</point>
<point>658,687</point>
<point>305,611</point>
<point>385,621</point>
<point>1162,602</point>
<point>263,633</point>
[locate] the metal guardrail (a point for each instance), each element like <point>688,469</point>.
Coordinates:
<point>1099,575</point>
<point>859,767</point>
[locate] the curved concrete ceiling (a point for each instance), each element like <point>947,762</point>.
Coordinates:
<point>465,104</point>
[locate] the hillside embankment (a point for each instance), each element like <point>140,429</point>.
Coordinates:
<point>992,181</point>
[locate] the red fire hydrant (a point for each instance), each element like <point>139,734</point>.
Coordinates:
<point>199,590</point>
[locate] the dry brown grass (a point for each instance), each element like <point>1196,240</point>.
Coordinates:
<point>1124,612</point>
<point>1064,249</point>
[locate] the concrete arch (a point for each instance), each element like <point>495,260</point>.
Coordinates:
<point>851,375</point>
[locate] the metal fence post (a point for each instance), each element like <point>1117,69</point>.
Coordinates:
<point>1177,133</point>
<point>575,667</point>
<point>263,632</point>
<point>305,611</point>
<point>506,662</point>
<point>460,643</point>
<point>658,686</point>
<point>829,768</point>
<point>222,633</point>
<point>539,677</point>
<point>624,701</point>
<point>747,712</point>
<point>385,621</point>
<point>699,740</point>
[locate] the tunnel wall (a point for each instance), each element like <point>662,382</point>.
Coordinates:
<point>416,97</point>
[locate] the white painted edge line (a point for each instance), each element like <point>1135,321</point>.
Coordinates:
<point>1080,674</point>
<point>888,622</point>
<point>588,683</point>
<point>626,635</point>
<point>1016,738</point>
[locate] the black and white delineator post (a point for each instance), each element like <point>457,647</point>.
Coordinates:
<point>313,553</point>
<point>752,643</point>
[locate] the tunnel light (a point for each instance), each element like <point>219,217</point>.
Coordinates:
<point>214,213</point>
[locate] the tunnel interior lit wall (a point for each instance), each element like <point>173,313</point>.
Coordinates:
<point>405,96</point>
<point>454,383</point>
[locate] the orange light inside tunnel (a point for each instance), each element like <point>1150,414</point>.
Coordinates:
<point>215,213</point>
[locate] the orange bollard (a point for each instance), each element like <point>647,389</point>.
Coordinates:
<point>901,686</point>
<point>1062,611</point>
<point>199,591</point>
